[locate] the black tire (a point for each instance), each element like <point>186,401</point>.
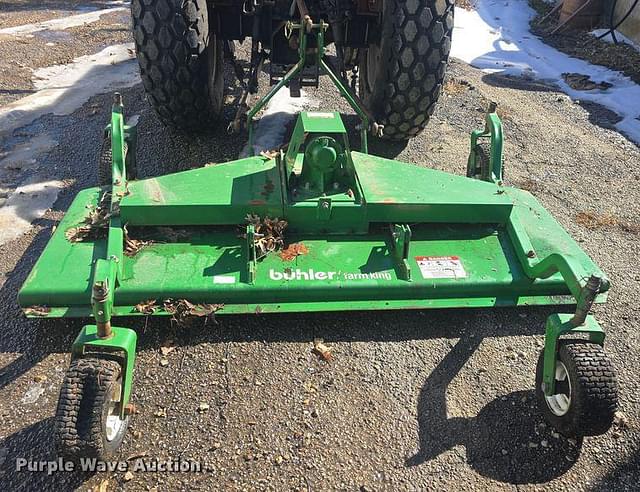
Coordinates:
<point>181,62</point>
<point>592,389</point>
<point>401,78</point>
<point>83,407</point>
<point>105,164</point>
<point>483,162</point>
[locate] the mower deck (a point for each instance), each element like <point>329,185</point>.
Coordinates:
<point>343,271</point>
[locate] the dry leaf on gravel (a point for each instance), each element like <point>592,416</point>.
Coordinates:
<point>167,349</point>
<point>322,350</point>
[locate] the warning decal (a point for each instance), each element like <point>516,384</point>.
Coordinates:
<point>441,267</point>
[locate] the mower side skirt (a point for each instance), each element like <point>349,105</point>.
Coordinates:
<point>342,306</point>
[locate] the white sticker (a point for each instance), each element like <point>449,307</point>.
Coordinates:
<point>318,114</point>
<point>224,279</point>
<point>441,267</point>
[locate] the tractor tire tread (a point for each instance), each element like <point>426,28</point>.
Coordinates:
<point>414,54</point>
<point>172,42</point>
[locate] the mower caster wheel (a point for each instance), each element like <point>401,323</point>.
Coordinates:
<point>483,162</point>
<point>586,391</point>
<point>88,422</point>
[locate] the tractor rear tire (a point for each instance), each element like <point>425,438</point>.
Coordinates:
<point>401,77</point>
<point>181,62</point>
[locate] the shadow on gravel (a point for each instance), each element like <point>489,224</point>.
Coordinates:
<point>33,339</point>
<point>626,474</point>
<point>27,444</point>
<point>503,442</point>
<point>518,83</point>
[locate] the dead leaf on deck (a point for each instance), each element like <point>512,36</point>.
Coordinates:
<point>37,311</point>
<point>269,234</point>
<point>133,246</point>
<point>181,310</point>
<point>95,224</point>
<point>269,154</point>
<point>147,307</point>
<point>293,250</point>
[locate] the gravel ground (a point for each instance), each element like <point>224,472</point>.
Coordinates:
<point>20,12</point>
<point>411,400</point>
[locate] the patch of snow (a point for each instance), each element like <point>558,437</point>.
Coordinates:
<point>34,392</point>
<point>619,36</point>
<point>60,24</point>
<point>271,129</point>
<point>496,38</point>
<point>27,203</point>
<point>61,89</point>
<point>24,155</point>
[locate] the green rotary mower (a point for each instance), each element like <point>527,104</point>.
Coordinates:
<point>316,226</point>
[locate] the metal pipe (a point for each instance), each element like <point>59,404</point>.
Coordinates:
<point>586,300</point>
<point>104,329</point>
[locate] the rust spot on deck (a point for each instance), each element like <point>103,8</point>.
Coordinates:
<point>257,202</point>
<point>154,190</point>
<point>293,251</point>
<point>268,188</point>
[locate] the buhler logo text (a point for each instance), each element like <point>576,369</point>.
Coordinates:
<point>311,274</point>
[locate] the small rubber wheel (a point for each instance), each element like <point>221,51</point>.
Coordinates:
<point>105,164</point>
<point>586,390</point>
<point>483,162</point>
<point>88,422</point>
